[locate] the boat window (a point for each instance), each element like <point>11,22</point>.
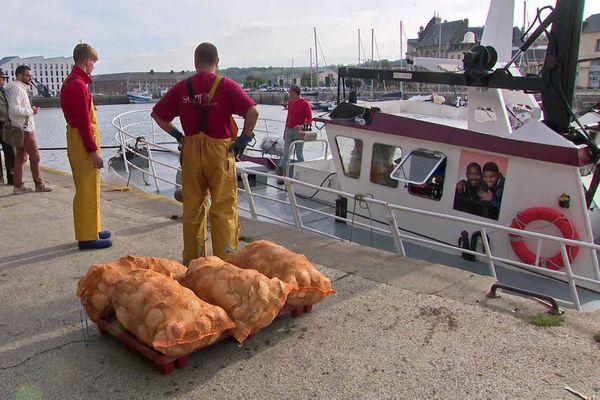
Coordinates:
<point>418,166</point>
<point>434,187</point>
<point>424,171</point>
<point>350,151</point>
<point>385,159</point>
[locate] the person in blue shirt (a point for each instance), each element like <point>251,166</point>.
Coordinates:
<point>494,182</point>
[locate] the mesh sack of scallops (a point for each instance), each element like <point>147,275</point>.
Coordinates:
<point>309,286</point>
<point>95,287</point>
<point>250,298</point>
<point>165,315</point>
<point>164,266</point>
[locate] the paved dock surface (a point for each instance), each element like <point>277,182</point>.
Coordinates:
<point>397,329</point>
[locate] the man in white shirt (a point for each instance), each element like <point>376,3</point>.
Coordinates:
<point>21,114</point>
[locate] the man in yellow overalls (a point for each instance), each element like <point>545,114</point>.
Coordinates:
<point>205,103</point>
<point>83,150</point>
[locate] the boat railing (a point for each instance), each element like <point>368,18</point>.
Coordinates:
<point>393,229</point>
<point>390,228</point>
<point>132,143</point>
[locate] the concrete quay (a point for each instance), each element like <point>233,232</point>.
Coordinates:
<point>397,329</point>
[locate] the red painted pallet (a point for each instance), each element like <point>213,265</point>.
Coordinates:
<point>165,363</point>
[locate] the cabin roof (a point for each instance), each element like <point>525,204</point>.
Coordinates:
<point>417,129</point>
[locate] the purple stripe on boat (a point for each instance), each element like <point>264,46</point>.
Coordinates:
<point>412,128</point>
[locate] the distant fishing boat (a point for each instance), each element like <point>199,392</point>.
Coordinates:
<point>139,96</point>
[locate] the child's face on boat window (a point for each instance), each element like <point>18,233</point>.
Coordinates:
<point>490,178</point>
<point>474,176</point>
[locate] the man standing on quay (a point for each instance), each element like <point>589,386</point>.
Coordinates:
<point>21,114</point>
<point>7,149</point>
<point>83,149</point>
<point>205,103</point>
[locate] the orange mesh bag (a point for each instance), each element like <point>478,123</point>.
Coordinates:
<point>95,288</point>
<point>251,299</point>
<point>165,266</point>
<point>163,314</point>
<point>309,286</point>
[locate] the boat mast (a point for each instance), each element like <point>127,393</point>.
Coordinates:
<point>358,47</point>
<point>439,43</point>
<point>316,55</point>
<point>372,61</point>
<point>401,63</point>
<point>311,69</point>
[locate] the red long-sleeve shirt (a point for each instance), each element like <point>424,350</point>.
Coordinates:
<point>299,112</point>
<point>75,100</point>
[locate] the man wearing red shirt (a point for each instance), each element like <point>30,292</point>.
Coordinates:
<point>204,104</point>
<point>83,149</point>
<point>299,114</point>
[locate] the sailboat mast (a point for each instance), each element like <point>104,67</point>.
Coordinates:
<point>316,55</point>
<point>372,61</point>
<point>401,45</point>
<point>401,61</point>
<point>359,47</point>
<point>311,69</point>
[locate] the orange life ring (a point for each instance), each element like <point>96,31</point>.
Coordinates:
<point>546,214</point>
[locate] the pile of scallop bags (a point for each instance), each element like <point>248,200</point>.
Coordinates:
<point>177,310</point>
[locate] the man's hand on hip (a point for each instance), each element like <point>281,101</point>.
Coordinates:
<point>97,161</point>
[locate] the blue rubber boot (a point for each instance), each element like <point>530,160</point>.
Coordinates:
<point>94,244</point>
<point>104,234</point>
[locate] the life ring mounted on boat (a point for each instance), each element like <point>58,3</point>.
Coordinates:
<point>559,220</point>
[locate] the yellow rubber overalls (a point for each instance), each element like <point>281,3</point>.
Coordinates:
<point>209,167</point>
<point>86,203</point>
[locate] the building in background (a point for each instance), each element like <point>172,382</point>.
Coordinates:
<point>446,40</point>
<point>437,38</point>
<point>48,73</point>
<point>156,83</point>
<point>589,49</point>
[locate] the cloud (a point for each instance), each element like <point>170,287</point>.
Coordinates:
<point>139,35</point>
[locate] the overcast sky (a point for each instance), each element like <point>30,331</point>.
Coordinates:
<point>139,35</point>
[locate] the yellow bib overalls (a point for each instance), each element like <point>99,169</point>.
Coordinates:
<point>209,167</point>
<point>86,203</point>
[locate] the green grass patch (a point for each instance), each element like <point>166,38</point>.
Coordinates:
<point>597,337</point>
<point>247,239</point>
<point>545,320</point>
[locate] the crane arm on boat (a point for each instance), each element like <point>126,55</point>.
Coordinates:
<point>556,83</point>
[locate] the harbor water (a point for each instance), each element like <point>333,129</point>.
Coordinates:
<point>50,129</point>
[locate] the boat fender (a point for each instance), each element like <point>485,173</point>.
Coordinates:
<point>559,220</point>
<point>464,243</point>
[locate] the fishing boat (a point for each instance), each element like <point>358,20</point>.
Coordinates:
<point>500,186</point>
<point>139,96</point>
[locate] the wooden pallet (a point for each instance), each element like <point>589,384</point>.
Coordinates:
<point>165,363</point>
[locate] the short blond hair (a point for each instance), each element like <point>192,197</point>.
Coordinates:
<point>83,51</point>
